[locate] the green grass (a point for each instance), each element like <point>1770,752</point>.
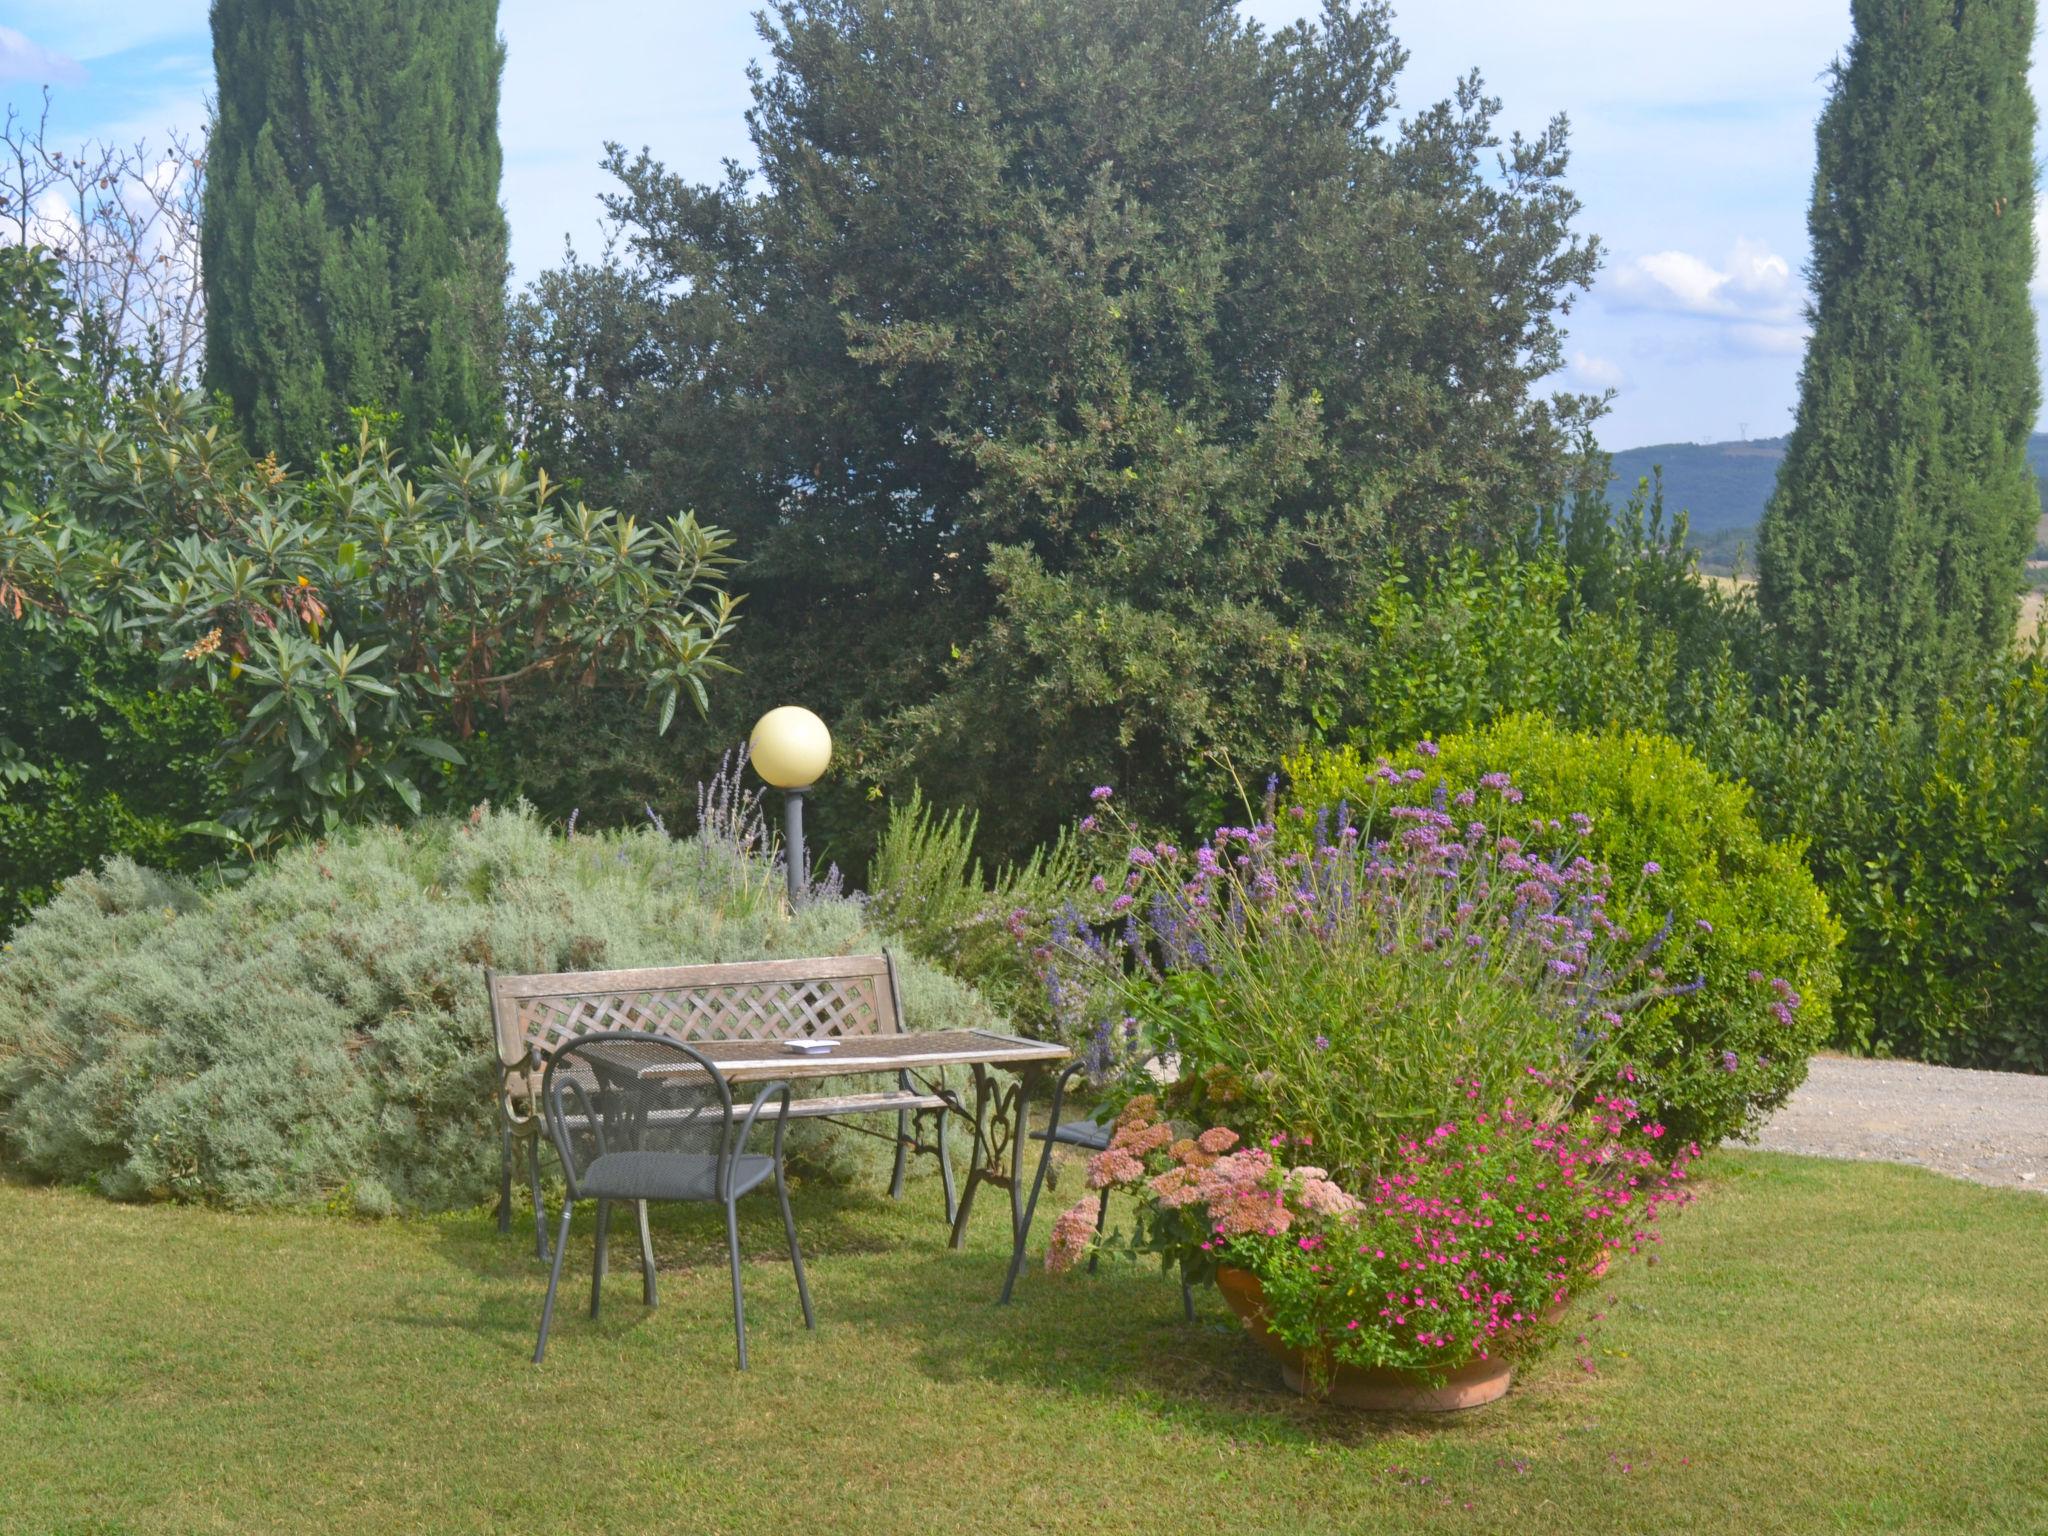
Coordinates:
<point>1824,1347</point>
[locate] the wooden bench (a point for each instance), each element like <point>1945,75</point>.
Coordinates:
<point>533,1016</point>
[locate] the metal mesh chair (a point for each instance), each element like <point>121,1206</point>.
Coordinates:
<point>1090,1133</point>
<point>643,1117</point>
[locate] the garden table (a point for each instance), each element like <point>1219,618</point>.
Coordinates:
<point>998,1112</point>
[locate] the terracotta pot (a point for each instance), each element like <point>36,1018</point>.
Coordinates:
<point>1387,1391</point>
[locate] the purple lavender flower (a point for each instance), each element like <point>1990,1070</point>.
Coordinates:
<point>1653,868</point>
<point>1322,1042</point>
<point>1730,1061</point>
<point>1100,793</point>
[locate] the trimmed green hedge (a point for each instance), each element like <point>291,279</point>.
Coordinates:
<point>1743,912</point>
<point>1931,841</point>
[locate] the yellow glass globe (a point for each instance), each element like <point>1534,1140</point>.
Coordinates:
<point>790,747</point>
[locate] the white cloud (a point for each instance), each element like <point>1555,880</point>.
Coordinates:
<point>1752,283</point>
<point>1752,293</point>
<point>1596,372</point>
<point>22,59</point>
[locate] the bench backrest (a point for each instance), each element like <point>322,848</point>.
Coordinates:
<point>750,1000</point>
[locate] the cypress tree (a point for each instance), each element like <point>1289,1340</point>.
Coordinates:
<point>1893,551</point>
<point>354,247</point>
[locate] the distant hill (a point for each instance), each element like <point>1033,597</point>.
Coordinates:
<point>1723,486</point>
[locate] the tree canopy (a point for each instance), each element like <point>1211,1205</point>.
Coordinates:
<point>1073,372</point>
<point>1892,554</point>
<point>353,245</point>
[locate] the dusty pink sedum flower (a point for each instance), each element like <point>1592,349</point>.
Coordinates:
<point>1115,1167</point>
<point>1072,1234</point>
<point>1177,1187</point>
<point>1140,1139</point>
<point>1315,1193</point>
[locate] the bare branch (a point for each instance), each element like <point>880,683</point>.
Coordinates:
<point>124,225</point>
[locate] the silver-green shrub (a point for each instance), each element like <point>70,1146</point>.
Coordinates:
<point>319,1033</point>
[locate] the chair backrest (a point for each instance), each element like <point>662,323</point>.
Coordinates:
<point>534,1015</point>
<point>629,1091</point>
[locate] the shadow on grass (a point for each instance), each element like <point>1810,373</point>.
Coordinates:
<point>1118,1337</point>
<point>883,1268</point>
<point>833,1222</point>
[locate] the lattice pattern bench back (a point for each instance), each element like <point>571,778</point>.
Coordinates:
<point>752,1000</point>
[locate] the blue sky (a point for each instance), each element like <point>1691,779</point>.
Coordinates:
<point>1692,147</point>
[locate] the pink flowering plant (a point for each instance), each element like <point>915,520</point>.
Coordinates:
<point>1312,975</point>
<point>1456,1250</point>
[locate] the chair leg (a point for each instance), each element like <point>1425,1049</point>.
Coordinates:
<point>796,1258</point>
<point>540,1205</point>
<point>1101,1216</point>
<point>646,1257</point>
<point>739,1307</point>
<point>599,1263</point>
<point>547,1311</point>
<point>1030,1209</point>
<point>505,1179</point>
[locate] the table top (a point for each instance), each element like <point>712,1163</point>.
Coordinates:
<point>742,1061</point>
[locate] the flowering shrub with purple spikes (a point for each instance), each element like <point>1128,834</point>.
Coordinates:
<point>1346,983</point>
<point>1745,919</point>
<point>1458,1249</point>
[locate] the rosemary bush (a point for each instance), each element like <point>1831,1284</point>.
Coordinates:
<point>319,1033</point>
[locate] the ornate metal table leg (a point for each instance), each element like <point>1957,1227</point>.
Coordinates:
<point>1020,1213</point>
<point>1001,1133</point>
<point>977,1171</point>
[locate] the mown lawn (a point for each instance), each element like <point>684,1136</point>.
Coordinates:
<point>1825,1347</point>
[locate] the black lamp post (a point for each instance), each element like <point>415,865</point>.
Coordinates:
<point>790,749</point>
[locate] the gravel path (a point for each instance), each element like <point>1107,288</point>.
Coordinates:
<point>1990,1127</point>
